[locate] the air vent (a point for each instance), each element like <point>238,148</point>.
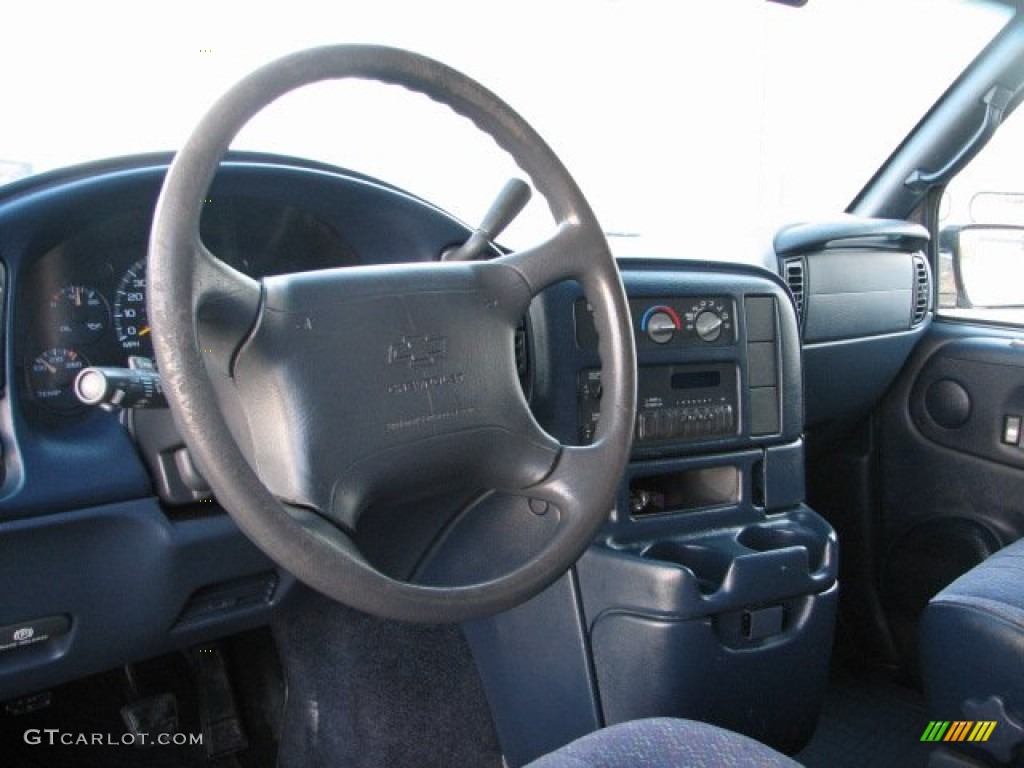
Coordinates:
<point>795,281</point>
<point>922,289</point>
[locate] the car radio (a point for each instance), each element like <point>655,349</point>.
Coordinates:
<point>694,363</point>
<point>674,402</point>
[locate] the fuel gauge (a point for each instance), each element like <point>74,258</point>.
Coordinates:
<point>81,314</point>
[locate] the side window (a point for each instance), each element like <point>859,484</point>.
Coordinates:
<point>981,240</point>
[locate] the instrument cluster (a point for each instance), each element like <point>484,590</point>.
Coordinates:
<point>83,302</point>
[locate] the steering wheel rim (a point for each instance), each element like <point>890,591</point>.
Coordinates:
<point>205,317</point>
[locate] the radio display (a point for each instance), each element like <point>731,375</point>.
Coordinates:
<point>696,379</point>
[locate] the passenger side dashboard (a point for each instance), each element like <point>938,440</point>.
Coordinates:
<point>863,290</point>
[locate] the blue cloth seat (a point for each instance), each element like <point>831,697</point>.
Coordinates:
<point>971,639</point>
<point>664,743</point>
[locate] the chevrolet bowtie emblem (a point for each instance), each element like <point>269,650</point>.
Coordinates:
<point>418,351</point>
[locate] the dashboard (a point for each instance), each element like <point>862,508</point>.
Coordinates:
<point>97,563</point>
<point>82,506</point>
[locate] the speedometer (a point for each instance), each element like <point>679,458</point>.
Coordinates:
<point>130,320</point>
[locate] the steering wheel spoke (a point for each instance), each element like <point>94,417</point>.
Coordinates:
<point>225,303</point>
<point>563,256</point>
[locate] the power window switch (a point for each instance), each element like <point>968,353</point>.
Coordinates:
<point>1011,430</point>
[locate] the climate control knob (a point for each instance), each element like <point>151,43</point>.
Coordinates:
<point>661,327</point>
<point>708,325</point>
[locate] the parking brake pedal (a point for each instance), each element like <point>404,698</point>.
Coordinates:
<point>223,734</point>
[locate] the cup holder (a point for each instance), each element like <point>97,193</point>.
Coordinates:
<point>764,538</point>
<point>708,564</point>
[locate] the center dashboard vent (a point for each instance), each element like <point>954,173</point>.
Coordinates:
<point>922,289</point>
<point>795,279</point>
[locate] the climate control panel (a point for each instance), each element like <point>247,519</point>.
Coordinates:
<point>701,320</point>
<point>670,322</point>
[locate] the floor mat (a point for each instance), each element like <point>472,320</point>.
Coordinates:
<point>868,722</point>
<point>364,692</point>
<point>82,727</point>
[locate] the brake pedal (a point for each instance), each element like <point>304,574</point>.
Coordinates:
<point>151,717</point>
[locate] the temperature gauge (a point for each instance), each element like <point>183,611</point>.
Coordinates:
<point>51,378</point>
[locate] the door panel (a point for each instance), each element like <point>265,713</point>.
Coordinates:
<point>950,487</point>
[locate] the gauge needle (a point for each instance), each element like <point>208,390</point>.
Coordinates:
<point>47,364</point>
<point>144,331</point>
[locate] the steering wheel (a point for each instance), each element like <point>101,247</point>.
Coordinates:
<point>304,398</point>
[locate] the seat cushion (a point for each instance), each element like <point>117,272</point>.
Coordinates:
<point>663,742</point>
<point>972,637</point>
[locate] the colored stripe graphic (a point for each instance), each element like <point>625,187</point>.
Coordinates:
<point>982,730</point>
<point>958,730</point>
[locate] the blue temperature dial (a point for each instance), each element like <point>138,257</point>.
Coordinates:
<point>660,323</point>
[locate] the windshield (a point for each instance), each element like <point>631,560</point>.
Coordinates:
<point>715,117</point>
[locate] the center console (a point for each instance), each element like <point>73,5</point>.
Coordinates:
<point>711,592</point>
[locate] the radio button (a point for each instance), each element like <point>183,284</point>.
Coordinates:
<point>666,425</point>
<point>688,424</point>
<point>726,419</point>
<point>703,425</point>
<point>678,422</point>
<point>646,426</point>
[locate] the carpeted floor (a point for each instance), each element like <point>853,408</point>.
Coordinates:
<point>92,706</point>
<point>380,693</point>
<point>868,722</point>
<point>364,693</point>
